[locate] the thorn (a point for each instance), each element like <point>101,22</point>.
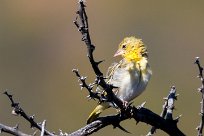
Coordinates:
<point>200,89</point>
<point>76,23</point>
<point>143,104</point>
<point>5,92</point>
<point>83,38</point>
<point>83,78</point>
<point>89,97</point>
<point>149,134</point>
<point>165,98</point>
<point>77,12</point>
<point>40,123</point>
<point>177,118</point>
<point>32,117</point>
<point>90,86</point>
<point>123,129</point>
<point>75,70</point>
<point>197,60</point>
<point>114,105</point>
<point>198,76</point>
<point>99,62</point>
<point>96,81</point>
<point>201,114</point>
<point>175,97</point>
<point>173,87</point>
<point>16,127</point>
<point>14,112</point>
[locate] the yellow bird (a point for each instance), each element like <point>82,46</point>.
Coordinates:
<point>131,75</point>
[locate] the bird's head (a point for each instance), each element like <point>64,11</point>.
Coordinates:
<point>132,49</point>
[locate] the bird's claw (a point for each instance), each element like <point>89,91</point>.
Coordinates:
<point>125,104</point>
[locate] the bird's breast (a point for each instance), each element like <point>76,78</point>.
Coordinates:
<point>132,83</point>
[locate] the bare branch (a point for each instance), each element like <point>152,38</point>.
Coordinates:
<point>139,114</point>
<point>11,130</point>
<point>19,111</point>
<point>167,108</point>
<point>170,103</point>
<point>82,25</point>
<point>92,94</point>
<point>201,89</point>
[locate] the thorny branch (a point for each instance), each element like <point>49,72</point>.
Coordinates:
<point>17,110</point>
<point>82,26</point>
<point>167,108</point>
<point>139,114</point>
<point>12,130</point>
<point>126,112</point>
<point>201,89</point>
<point>83,84</point>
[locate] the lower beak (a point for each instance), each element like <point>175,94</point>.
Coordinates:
<point>118,52</point>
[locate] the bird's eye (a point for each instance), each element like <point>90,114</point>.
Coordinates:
<point>124,46</point>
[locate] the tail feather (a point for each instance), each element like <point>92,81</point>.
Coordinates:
<point>97,111</point>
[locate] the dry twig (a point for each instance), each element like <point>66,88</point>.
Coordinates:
<point>17,110</point>
<point>11,130</point>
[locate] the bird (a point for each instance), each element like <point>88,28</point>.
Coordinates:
<point>130,75</point>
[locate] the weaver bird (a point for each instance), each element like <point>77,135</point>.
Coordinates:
<point>131,75</point>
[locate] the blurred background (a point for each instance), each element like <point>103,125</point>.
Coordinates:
<point>39,47</point>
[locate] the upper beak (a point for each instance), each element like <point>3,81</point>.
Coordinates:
<point>118,52</point>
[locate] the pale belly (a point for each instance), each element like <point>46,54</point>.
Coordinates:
<point>132,86</point>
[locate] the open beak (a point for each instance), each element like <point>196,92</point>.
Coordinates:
<point>118,52</point>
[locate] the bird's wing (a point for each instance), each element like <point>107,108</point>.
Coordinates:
<point>109,75</point>
<point>115,74</point>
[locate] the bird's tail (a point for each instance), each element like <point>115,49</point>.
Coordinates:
<point>97,111</point>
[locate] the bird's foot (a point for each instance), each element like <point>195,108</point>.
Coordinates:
<point>125,104</point>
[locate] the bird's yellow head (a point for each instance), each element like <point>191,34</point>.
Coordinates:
<point>132,49</point>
